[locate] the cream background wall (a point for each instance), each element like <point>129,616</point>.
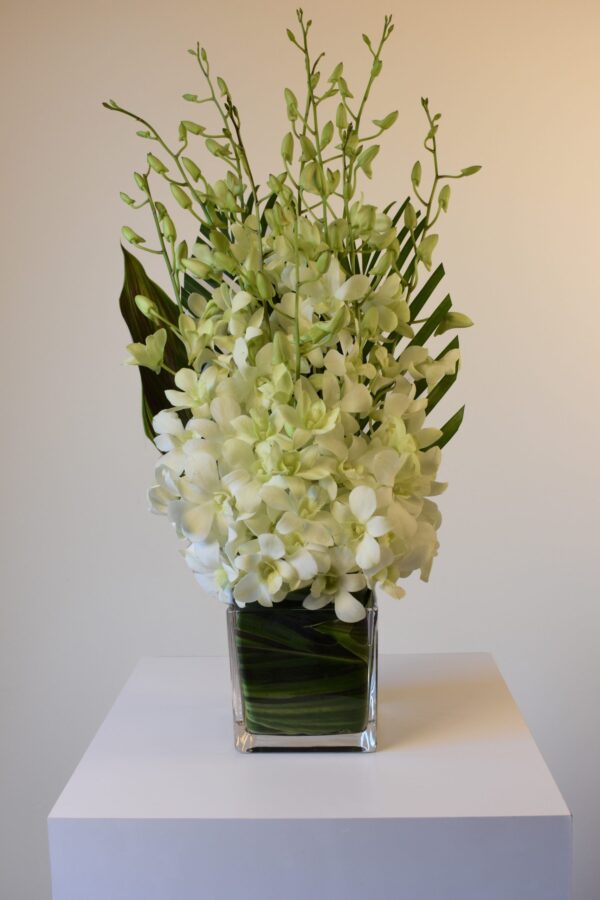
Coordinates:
<point>90,581</point>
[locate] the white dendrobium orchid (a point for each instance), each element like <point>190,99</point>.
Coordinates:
<point>265,571</point>
<point>336,586</point>
<point>361,525</point>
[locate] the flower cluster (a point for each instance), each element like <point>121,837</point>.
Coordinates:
<point>287,386</point>
<point>323,481</point>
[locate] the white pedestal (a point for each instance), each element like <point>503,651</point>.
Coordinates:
<point>456,804</point>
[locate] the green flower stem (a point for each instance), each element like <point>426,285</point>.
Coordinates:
<point>172,275</point>
<point>174,155</point>
<point>223,112</point>
<point>309,74</point>
<point>297,302</point>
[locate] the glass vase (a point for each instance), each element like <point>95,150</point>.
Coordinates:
<point>302,679</point>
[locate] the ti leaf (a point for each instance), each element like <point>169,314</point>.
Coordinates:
<point>136,281</point>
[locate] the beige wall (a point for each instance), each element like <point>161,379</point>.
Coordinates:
<point>90,581</point>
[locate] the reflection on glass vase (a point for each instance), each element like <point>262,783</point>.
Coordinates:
<point>302,679</point>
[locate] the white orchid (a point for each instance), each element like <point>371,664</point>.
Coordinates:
<point>265,571</point>
<point>361,526</point>
<point>337,585</point>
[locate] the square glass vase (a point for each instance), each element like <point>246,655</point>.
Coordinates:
<point>302,679</point>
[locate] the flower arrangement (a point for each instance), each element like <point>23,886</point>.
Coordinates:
<point>287,380</point>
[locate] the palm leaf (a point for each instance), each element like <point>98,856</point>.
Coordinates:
<point>450,428</point>
<point>426,330</point>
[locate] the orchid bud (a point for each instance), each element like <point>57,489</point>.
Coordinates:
<point>195,267</point>
<point>415,175</point>
<point>387,121</point>
<point>323,263</point>
<point>426,248</point>
<point>193,127</point>
<point>275,184</point>
<point>453,320</point>
<point>146,306</point>
<point>181,253</point>
<point>180,195</point>
<point>341,117</point>
<point>191,168</point>
<point>220,150</point>
<point>287,148</point>
<point>140,180</point>
<point>366,158</point>
<point>126,198</point>
<point>410,217</point>
<point>263,286</point>
<point>291,103</point>
<point>130,235</point>
<point>308,148</point>
<point>336,73</point>
<point>168,229</point>
<point>344,89</point>
<point>155,163</point>
<point>326,134</point>
<point>444,197</point>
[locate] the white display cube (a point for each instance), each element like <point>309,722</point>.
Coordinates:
<point>456,804</point>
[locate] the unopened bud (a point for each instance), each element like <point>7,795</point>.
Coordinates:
<point>180,195</point>
<point>130,235</point>
<point>190,166</point>
<point>193,127</point>
<point>341,117</point>
<point>195,267</point>
<point>263,286</point>
<point>146,306</point>
<point>287,148</point>
<point>157,164</point>
<point>168,229</point>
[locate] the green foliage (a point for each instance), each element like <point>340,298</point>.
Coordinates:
<point>136,283</point>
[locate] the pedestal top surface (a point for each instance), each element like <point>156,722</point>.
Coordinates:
<point>452,743</point>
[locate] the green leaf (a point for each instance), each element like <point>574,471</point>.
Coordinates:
<point>425,332</point>
<point>450,428</point>
<point>426,291</point>
<point>135,282</point>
